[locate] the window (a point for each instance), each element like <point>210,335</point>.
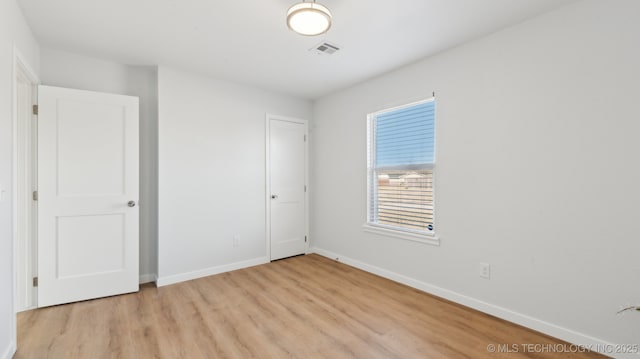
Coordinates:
<point>400,169</point>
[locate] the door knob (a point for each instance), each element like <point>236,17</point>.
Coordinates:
<point>131,204</point>
<point>274,196</point>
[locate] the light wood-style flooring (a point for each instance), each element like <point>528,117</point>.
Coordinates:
<point>301,307</point>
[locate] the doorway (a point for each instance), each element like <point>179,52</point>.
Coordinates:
<point>76,193</point>
<point>287,187</point>
<point>24,184</point>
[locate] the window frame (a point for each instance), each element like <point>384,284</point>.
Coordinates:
<point>427,237</point>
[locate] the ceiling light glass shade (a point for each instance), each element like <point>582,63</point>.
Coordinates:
<point>309,18</point>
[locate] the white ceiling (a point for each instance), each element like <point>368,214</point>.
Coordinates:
<point>248,41</point>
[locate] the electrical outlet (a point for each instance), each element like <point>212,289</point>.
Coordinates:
<point>236,241</point>
<point>485,270</point>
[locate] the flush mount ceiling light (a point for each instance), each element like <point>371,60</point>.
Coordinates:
<point>309,18</point>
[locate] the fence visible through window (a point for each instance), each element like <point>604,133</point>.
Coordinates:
<point>405,199</point>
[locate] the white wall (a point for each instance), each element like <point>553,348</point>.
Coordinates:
<point>63,69</point>
<point>537,171</point>
<point>14,31</point>
<point>212,172</point>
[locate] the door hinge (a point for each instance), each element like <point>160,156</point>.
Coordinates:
<point>35,195</point>
<point>35,109</point>
<point>305,138</point>
<point>305,239</point>
<point>305,188</point>
<point>35,281</point>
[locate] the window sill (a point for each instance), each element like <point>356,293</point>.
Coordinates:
<point>415,237</point>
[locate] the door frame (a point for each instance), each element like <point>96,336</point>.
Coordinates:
<point>22,66</point>
<point>267,197</point>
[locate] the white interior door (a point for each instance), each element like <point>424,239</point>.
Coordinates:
<point>87,195</point>
<point>287,173</point>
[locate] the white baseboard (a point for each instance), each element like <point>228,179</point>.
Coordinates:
<point>147,278</point>
<point>11,350</point>
<point>177,278</point>
<point>553,330</point>
<point>26,309</point>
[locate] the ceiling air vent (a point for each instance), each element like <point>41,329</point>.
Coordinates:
<point>325,48</point>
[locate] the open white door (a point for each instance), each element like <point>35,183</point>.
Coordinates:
<point>87,195</point>
<point>287,173</point>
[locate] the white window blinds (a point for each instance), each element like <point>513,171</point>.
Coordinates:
<point>400,168</point>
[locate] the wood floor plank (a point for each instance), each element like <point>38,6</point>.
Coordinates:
<point>301,307</point>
